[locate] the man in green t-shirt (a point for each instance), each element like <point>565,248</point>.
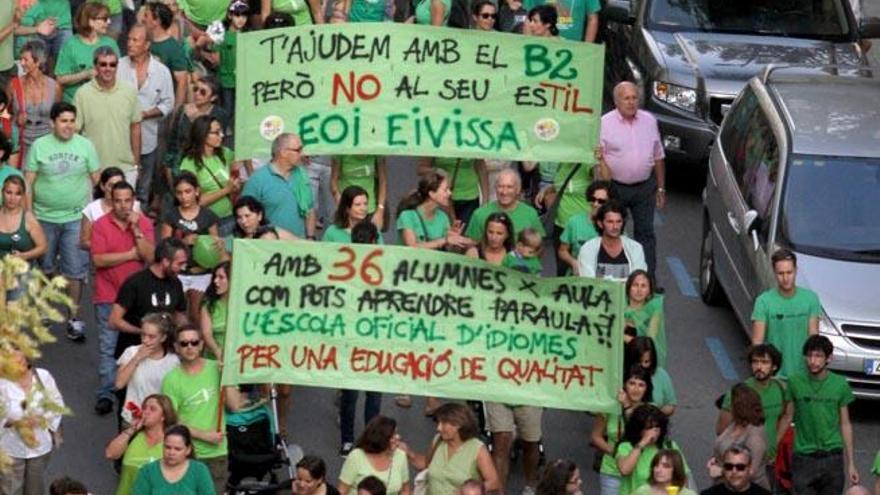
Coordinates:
<point>61,170</point>
<point>158,18</point>
<point>824,438</point>
<point>507,191</point>
<point>194,389</point>
<point>876,470</point>
<point>786,315</point>
<point>765,361</point>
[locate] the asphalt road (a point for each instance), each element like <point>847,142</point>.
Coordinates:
<point>706,346</point>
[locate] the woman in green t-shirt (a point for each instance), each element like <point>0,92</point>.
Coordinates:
<point>141,443</point>
<point>351,211</point>
<point>304,12</point>
<point>421,221</point>
<point>581,227</point>
<point>644,311</point>
<point>212,319</point>
<point>368,172</point>
<point>212,163</point>
<point>75,66</point>
<point>468,180</point>
<point>667,471</point>
<point>176,472</point>
<point>645,433</point>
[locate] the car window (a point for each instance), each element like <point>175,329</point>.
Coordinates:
<point>733,132</point>
<point>821,19</point>
<point>760,169</point>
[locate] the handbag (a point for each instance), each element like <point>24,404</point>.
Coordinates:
<point>549,219</point>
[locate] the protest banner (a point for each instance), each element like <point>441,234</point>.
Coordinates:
<point>402,320</point>
<point>402,89</point>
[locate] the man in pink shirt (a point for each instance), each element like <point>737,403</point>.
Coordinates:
<point>631,155</point>
<point>122,243</point>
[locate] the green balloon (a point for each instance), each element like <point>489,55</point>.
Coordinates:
<point>205,252</point>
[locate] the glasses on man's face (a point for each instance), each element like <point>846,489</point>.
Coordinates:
<point>189,343</point>
<point>598,201</point>
<point>729,466</point>
<point>486,15</point>
<point>108,64</point>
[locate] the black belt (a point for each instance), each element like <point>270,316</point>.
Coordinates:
<point>634,184</point>
<point>822,453</point>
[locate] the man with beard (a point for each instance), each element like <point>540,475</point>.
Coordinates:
<point>611,255</point>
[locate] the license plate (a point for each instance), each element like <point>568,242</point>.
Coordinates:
<point>872,366</point>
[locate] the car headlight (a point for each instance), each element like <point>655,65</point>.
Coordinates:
<point>677,96</point>
<point>826,326</point>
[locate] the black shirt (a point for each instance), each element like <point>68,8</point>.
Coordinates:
<point>182,227</point>
<point>141,293</point>
<point>721,489</point>
<point>612,266</point>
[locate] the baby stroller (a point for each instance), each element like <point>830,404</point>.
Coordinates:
<point>256,451</point>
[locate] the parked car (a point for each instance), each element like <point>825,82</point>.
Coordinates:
<point>796,164</point>
<point>692,57</point>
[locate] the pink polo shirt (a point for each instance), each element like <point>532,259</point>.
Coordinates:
<point>109,237</point>
<point>630,146</point>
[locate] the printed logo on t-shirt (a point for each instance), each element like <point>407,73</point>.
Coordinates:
<point>203,396</point>
<point>154,298</point>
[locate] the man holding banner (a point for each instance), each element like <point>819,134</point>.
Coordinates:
<point>507,189</point>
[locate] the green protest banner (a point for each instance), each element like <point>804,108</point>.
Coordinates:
<point>396,319</point>
<point>402,89</point>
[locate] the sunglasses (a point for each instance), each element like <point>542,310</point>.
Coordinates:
<point>102,19</point>
<point>600,201</point>
<point>729,466</point>
<point>108,64</point>
<point>489,16</point>
<point>189,343</point>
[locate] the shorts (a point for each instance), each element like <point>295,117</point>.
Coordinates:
<point>62,241</point>
<point>526,420</point>
<point>198,283</point>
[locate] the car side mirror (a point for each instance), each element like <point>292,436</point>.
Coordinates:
<point>749,220</point>
<point>869,28</point>
<point>619,11</point>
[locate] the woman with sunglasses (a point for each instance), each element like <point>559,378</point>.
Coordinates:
<point>205,96</point>
<point>485,14</point>
<point>581,227</point>
<point>212,163</point>
<point>75,65</point>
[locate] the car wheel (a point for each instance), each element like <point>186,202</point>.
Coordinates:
<point>710,290</point>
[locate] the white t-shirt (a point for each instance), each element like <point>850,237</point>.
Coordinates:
<point>147,377</point>
<point>14,398</point>
<point>93,211</point>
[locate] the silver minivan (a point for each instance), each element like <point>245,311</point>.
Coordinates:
<point>796,164</point>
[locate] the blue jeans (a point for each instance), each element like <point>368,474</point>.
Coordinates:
<point>347,404</point>
<point>62,241</point>
<point>145,177</point>
<point>608,484</point>
<point>106,349</point>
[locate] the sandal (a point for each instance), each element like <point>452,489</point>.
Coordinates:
<point>404,401</point>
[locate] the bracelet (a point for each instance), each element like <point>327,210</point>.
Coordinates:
<point>381,207</point>
<point>661,190</point>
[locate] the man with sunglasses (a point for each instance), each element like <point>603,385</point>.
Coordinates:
<point>735,474</point>
<point>194,389</point>
<point>109,115</point>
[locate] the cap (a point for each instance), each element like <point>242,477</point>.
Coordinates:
<point>239,7</point>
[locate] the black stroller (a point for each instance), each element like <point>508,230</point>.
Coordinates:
<point>256,452</point>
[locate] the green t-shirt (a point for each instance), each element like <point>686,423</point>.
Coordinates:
<point>357,467</point>
<point>359,170</point>
<point>425,229</point>
<point>423,12</point>
<point>7,46</point>
<point>466,186</point>
<point>137,454</point>
<point>614,424</point>
<point>446,474</point>
<point>817,406</point>
<point>218,325</point>
<point>196,481</point>
<point>664,392</point>
<point>170,52</point>
<point>522,216</point>
<point>109,130</point>
<point>196,400</point>
<point>572,23</point>
<point>299,9</point>
<point>114,6</point>
<point>226,51</point>
<point>76,56</point>
<point>787,320</point>
<point>642,472</point>
<point>525,264</point>
<point>577,232</point>
<point>44,9</point>
<point>573,199</point>
<point>547,171</point>
<point>204,12</point>
<point>213,175</point>
<point>62,187</point>
<point>367,11</point>
<point>876,468</point>
<point>5,171</point>
<point>773,399</point>
<point>650,321</point>
<point>334,234</point>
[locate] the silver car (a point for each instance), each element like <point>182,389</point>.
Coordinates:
<point>796,164</point>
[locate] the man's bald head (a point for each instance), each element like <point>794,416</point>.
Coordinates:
<point>626,99</point>
<point>857,490</point>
